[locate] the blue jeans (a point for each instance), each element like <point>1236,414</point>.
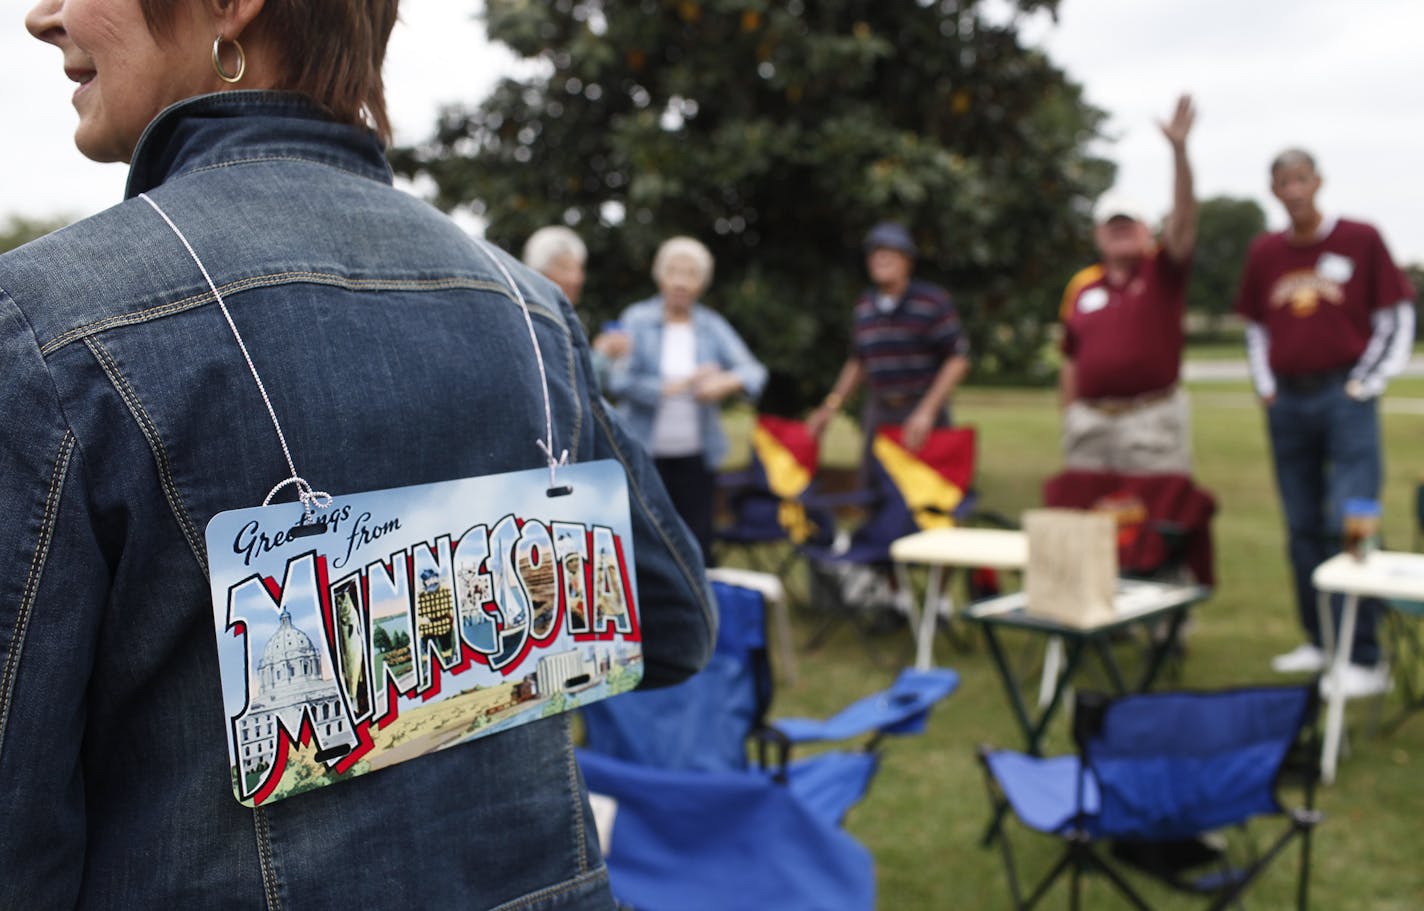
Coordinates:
<point>1326,447</point>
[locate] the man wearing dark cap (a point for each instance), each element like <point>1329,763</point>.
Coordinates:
<point>1122,333</point>
<point>907,345</point>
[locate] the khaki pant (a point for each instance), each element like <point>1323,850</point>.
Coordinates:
<point>1155,438</point>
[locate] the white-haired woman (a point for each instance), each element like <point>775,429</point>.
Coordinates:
<point>686,360</point>
<point>559,255</point>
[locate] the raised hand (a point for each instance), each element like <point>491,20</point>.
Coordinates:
<point>1180,125</point>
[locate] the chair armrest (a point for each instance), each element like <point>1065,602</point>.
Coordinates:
<point>900,709</point>
<point>771,741</point>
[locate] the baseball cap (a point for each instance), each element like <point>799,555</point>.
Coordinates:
<point>892,236</point>
<point>1118,205</point>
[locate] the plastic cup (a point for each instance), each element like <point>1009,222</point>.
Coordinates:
<point>1362,526</point>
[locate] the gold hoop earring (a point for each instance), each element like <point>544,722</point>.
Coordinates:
<point>224,75</point>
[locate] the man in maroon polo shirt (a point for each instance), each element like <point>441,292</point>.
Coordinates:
<point>1329,319</point>
<point>1122,333</point>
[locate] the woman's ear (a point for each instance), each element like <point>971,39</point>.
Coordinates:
<point>232,17</point>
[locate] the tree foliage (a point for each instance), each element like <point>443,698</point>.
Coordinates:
<point>1415,273</point>
<point>20,230</point>
<point>1225,227</point>
<point>777,133</point>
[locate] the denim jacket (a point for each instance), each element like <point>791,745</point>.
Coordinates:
<point>392,355</point>
<point>636,380</point>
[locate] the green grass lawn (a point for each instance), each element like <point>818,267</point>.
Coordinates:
<point>926,810</point>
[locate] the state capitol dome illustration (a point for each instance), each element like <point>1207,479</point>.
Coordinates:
<point>288,658</point>
<point>288,678</point>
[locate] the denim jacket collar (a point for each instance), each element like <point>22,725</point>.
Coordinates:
<point>209,131</point>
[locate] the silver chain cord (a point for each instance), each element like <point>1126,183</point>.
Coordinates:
<point>311,499</point>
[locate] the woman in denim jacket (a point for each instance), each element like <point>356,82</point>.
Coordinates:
<point>685,361</point>
<point>393,352</point>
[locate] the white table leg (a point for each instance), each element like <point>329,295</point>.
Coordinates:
<point>1335,705</point>
<point>1327,627</point>
<point>1052,666</point>
<point>924,640</point>
<point>904,586</point>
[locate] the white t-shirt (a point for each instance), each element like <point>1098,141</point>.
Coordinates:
<point>676,428</point>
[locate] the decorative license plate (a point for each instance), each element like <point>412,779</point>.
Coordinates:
<point>413,619</point>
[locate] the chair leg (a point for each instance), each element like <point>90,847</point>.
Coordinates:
<point>1051,877</point>
<point>999,805</point>
<point>1307,833</point>
<point>1011,870</point>
<point>1299,826</point>
<point>1117,880</point>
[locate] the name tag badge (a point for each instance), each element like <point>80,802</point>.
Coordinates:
<point>1092,300</point>
<point>417,618</point>
<point>1335,268</point>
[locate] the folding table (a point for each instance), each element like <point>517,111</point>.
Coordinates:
<point>1136,602</point>
<point>1383,574</point>
<point>948,548</point>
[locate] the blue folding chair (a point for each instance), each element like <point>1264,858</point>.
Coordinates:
<point>1156,773</point>
<point>698,823</point>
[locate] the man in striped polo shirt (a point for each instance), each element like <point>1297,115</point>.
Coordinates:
<point>907,345</point>
<point>1122,333</point>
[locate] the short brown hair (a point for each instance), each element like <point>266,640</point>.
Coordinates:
<point>329,50</point>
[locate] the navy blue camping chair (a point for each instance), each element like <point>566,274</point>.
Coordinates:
<point>767,502</point>
<point>700,823</point>
<point>1155,774</point>
<point>904,492</point>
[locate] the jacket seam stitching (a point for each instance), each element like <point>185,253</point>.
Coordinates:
<point>263,281</point>
<point>689,575</point>
<point>570,363</point>
<point>581,827</point>
<point>155,445</point>
<point>32,580</point>
<point>259,159</point>
<point>548,892</point>
<point>270,889</point>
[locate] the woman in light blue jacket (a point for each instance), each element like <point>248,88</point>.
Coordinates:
<point>686,360</point>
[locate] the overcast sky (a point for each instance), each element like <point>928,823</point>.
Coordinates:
<point>1342,79</point>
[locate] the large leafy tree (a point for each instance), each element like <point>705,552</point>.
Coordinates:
<point>21,230</point>
<point>1225,226</point>
<point>777,133</point>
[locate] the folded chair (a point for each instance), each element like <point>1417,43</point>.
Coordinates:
<point>1163,520</point>
<point>697,824</point>
<point>905,492</point>
<point>765,500</point>
<point>1163,533</point>
<point>1159,773</point>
